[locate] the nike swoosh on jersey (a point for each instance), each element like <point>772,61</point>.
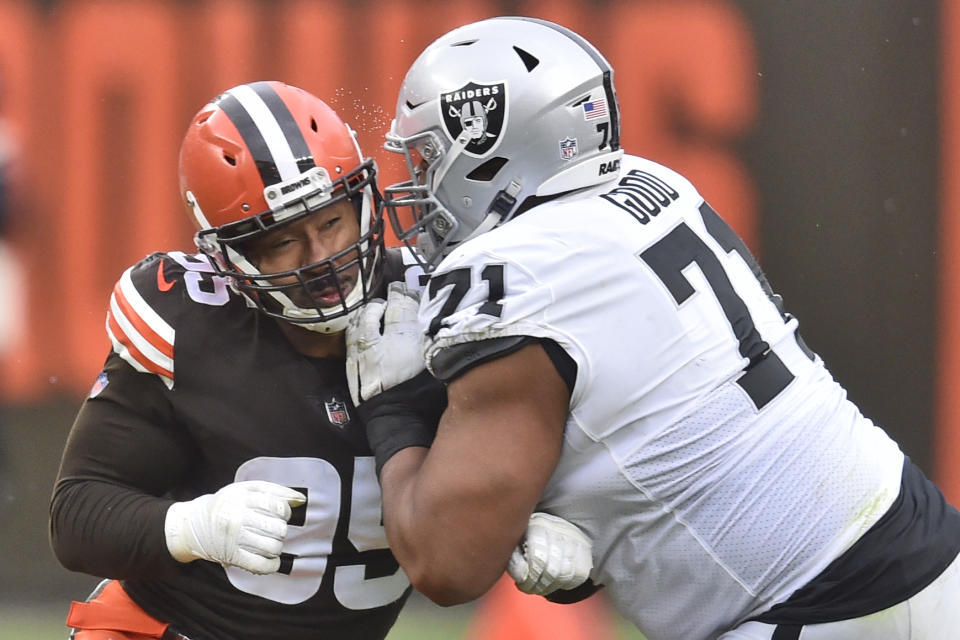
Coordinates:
<point>162,283</point>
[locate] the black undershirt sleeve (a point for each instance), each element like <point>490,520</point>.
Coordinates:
<point>123,453</point>
<point>403,416</point>
<point>452,362</point>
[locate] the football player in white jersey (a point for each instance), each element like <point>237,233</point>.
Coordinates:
<point>614,356</point>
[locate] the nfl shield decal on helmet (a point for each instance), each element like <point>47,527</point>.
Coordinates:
<point>480,111</point>
<point>337,412</point>
<point>568,148</point>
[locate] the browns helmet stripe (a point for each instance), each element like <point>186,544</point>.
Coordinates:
<point>270,133</point>
<point>251,136</point>
<point>288,125</point>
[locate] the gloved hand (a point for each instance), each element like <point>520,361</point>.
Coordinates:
<point>381,358</point>
<point>554,554</point>
<point>241,525</point>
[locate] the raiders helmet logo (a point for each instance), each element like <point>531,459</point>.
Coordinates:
<point>480,110</point>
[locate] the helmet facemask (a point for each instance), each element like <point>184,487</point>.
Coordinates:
<point>433,226</point>
<point>354,270</point>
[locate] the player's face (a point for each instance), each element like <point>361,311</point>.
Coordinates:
<point>308,241</point>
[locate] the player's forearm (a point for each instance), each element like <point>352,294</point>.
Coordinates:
<point>447,558</point>
<point>109,531</point>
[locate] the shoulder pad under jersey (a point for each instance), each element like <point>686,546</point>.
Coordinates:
<point>146,302</point>
<point>400,265</point>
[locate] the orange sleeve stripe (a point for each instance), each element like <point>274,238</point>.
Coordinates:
<point>144,329</point>
<point>135,353</point>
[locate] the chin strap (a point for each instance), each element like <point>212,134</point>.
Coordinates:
<point>336,325</point>
<point>501,209</point>
<point>488,223</point>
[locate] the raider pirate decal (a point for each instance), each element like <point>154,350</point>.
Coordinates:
<point>478,109</point>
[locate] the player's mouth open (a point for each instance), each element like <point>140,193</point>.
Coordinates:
<point>327,294</point>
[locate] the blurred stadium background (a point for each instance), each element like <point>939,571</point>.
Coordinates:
<point>826,132</point>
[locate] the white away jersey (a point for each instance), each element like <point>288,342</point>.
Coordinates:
<point>708,454</point>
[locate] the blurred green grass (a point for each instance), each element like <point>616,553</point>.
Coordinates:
<point>420,620</point>
<point>47,623</point>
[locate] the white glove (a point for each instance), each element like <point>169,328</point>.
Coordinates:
<point>378,360</point>
<point>554,554</point>
<point>241,525</point>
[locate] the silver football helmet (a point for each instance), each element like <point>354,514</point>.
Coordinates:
<point>492,115</point>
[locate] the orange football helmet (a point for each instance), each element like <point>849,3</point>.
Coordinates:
<point>265,154</point>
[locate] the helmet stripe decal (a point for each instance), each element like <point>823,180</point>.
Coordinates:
<point>288,125</point>
<point>614,108</point>
<point>262,134</point>
<point>262,157</point>
<point>604,67</point>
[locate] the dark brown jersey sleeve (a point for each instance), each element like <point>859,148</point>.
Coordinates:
<point>124,453</point>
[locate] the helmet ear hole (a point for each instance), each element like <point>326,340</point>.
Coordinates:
<point>230,160</point>
<point>488,170</point>
<point>313,125</point>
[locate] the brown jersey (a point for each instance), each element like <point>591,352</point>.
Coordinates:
<point>201,390</point>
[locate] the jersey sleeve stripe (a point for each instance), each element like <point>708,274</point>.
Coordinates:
<point>126,349</point>
<point>143,319</point>
<point>121,322</point>
<point>136,328</point>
